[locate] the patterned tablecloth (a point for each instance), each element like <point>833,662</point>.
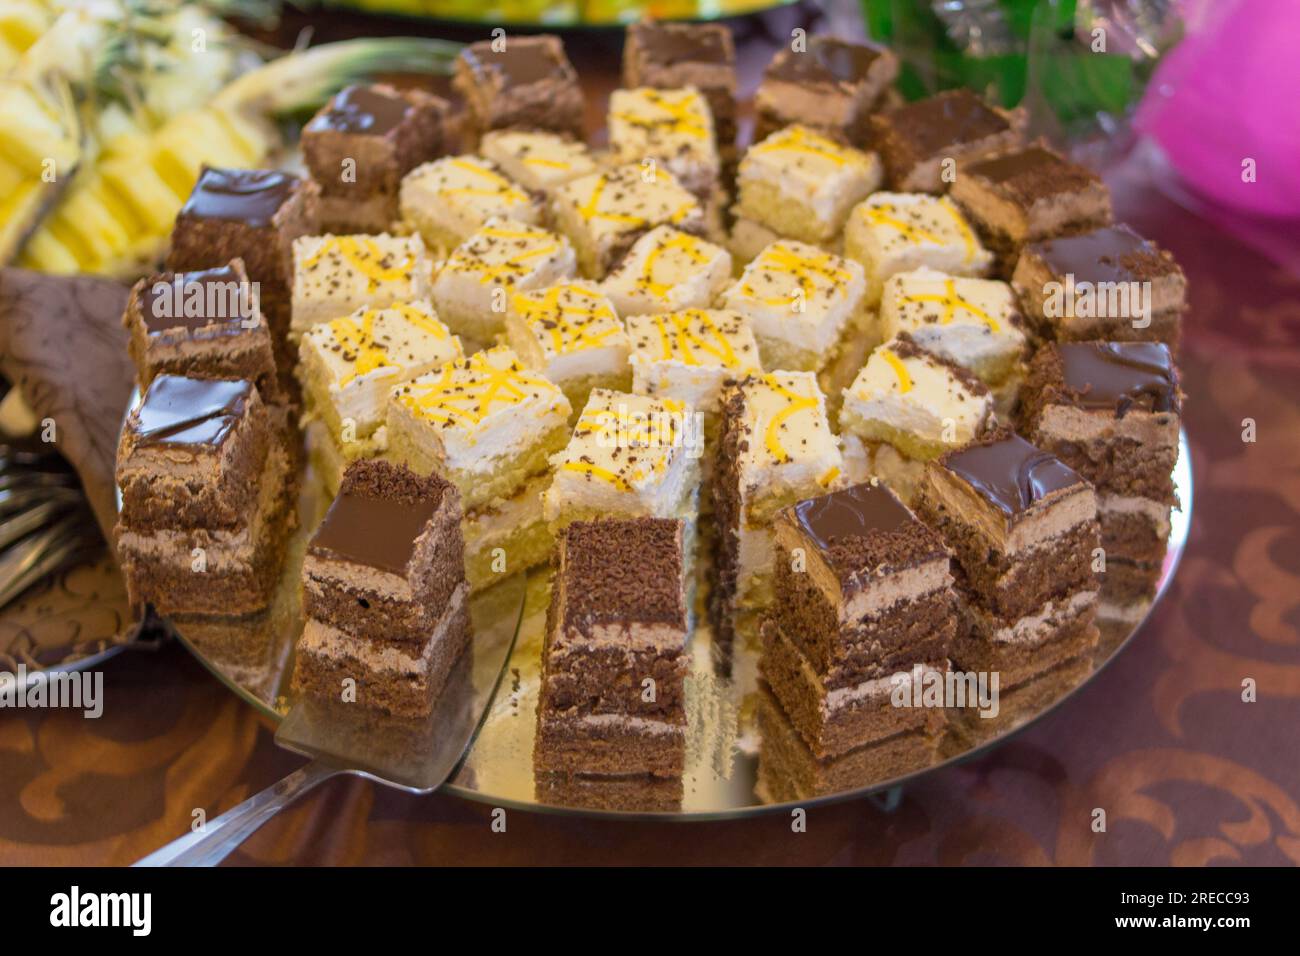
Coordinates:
<point>1185,769</point>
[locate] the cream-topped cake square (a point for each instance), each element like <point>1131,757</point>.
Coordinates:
<point>690,355</point>
<point>667,270</point>
<point>973,322</point>
<point>630,455</point>
<point>920,403</point>
<point>448,199</point>
<point>537,160</point>
<point>799,300</point>
<point>673,127</point>
<point>605,213</point>
<point>333,276</point>
<point>487,423</point>
<point>897,232</point>
<point>473,288</point>
<point>571,334</point>
<point>802,184</point>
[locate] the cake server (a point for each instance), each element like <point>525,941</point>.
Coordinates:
<point>343,738</point>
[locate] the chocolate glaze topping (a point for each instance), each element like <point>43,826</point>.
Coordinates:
<point>164,297</point>
<point>190,411</point>
<point>248,196</point>
<point>669,44</point>
<point>1010,473</point>
<point>525,60</point>
<point>1109,254</point>
<point>1120,375</point>
<point>362,109</point>
<point>379,514</point>
<point>827,60</point>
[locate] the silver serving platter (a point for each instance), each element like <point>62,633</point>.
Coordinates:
<point>253,656</point>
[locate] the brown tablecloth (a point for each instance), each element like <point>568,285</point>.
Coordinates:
<point>1186,771</point>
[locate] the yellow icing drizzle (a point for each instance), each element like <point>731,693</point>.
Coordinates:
<point>679,338</point>
<point>795,403</point>
<point>572,326</point>
<point>591,209</point>
<point>365,256</point>
<point>500,185</point>
<point>468,401</point>
<point>683,116</point>
<point>951,302</point>
<point>466,260</point>
<point>689,246</point>
<point>894,362</point>
<point>800,139</point>
<point>806,272</point>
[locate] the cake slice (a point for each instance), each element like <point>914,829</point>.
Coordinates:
<point>1111,411</point>
<point>519,81</point>
<point>667,270</point>
<point>571,334</point>
<point>630,455</point>
<point>384,592</point>
<point>604,213</point>
<point>614,664</point>
<point>538,161</point>
<point>333,276</point>
<point>864,601</point>
<point>670,127</point>
<point>897,232</point>
<point>915,140</point>
<point>801,184</point>
<point>800,302</point>
<point>690,355</point>
<point>202,324</point>
<point>1022,526</point>
<point>832,86</point>
<point>448,199</point>
<point>474,285</point>
<point>1109,284</point>
<point>775,448</point>
<point>975,323</point>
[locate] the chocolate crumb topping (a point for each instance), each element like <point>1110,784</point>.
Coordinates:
<point>1008,472</point>
<point>828,60</point>
<point>952,117</point>
<point>190,411</point>
<point>1033,174</point>
<point>623,572</point>
<point>381,511</point>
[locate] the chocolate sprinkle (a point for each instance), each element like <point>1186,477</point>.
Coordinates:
<point>623,572</point>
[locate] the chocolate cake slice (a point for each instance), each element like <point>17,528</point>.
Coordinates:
<point>863,599</point>
<point>204,324</point>
<point>614,663</point>
<point>1111,411</point>
<point>1029,195</point>
<point>384,590</point>
<point>915,139</point>
<point>669,56</point>
<point>1022,526</point>
<point>360,145</point>
<point>520,81</point>
<point>1109,284</point>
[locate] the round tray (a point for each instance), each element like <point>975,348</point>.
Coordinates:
<point>730,770</point>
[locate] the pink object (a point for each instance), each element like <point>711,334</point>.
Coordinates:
<point>1228,92</point>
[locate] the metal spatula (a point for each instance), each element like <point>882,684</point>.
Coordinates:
<point>415,756</point>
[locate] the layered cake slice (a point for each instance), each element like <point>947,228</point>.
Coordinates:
<point>349,366</point>
<point>800,303</point>
<point>897,232</point>
<point>1111,411</point>
<point>384,592</point>
<point>203,324</point>
<point>922,143</point>
<point>668,270</point>
<point>333,276</point>
<point>670,127</point>
<point>864,601</point>
<point>671,56</point>
<point>488,424</point>
<point>538,161</point>
<point>801,184</point>
<point>1106,285</point>
<point>572,335</point>
<point>604,213</point>
<point>207,489</point>
<point>1022,526</point>
<point>447,200</point>
<point>1029,195</point>
<point>775,448</point>
<point>630,455</point>
<point>690,355</point>
<point>832,86</point>
<point>360,145</point>
<point>519,81</point>
<point>614,665</point>
<point>474,285</point>
<point>975,323</point>
<point>917,403</point>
